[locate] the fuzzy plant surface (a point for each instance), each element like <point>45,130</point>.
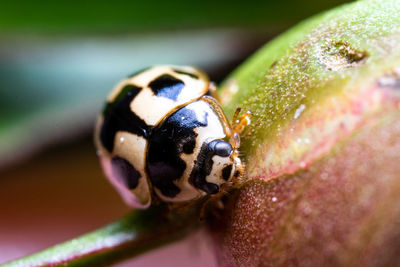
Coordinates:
<point>322,152</point>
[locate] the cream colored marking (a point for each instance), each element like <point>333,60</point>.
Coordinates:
<point>140,197</point>
<point>212,131</point>
<point>199,85</point>
<point>215,175</point>
<point>144,78</point>
<point>188,69</point>
<point>141,80</point>
<point>132,148</point>
<point>196,88</point>
<point>187,193</point>
<point>149,108</point>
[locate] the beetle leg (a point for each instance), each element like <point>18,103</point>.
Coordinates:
<point>238,124</point>
<point>236,115</point>
<point>215,199</point>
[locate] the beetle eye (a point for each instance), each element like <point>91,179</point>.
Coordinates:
<point>226,172</point>
<point>221,148</point>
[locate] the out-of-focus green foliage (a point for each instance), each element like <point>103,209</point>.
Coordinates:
<point>53,87</point>
<point>123,15</point>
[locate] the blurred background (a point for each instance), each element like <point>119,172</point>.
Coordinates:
<point>59,60</point>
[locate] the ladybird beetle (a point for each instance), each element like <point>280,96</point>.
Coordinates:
<point>162,135</point>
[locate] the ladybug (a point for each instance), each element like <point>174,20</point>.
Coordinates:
<point>162,136</point>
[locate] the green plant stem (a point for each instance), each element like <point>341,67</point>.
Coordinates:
<point>131,235</point>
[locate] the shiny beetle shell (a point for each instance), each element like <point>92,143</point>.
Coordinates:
<point>162,136</point>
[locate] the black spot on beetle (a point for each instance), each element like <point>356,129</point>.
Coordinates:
<point>166,143</point>
<point>124,172</point>
<point>194,76</point>
<point>188,146</point>
<point>226,172</point>
<point>167,86</point>
<point>118,116</point>
<point>204,166</point>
